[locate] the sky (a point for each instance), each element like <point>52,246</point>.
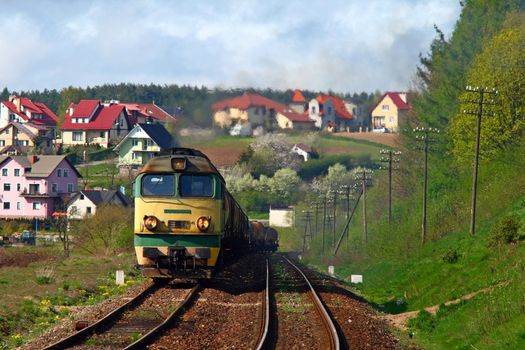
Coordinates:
<point>339,45</point>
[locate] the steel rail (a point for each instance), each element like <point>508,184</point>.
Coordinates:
<point>109,318</point>
<point>266,305</point>
<point>155,332</point>
<point>327,320</point>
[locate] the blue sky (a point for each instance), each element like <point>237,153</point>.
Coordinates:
<point>345,46</point>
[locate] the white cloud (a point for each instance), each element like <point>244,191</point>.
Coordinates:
<point>338,44</point>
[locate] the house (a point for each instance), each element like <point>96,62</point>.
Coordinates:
<point>302,150</point>
<point>94,122</point>
<point>140,113</point>
<point>139,146</point>
<point>35,186</point>
<point>253,111</point>
<point>389,110</point>
<point>298,102</point>
<point>18,138</point>
<point>86,202</point>
<point>24,111</point>
<point>329,113</point>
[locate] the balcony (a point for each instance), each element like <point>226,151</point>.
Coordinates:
<point>35,194</point>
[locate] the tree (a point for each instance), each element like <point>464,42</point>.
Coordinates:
<point>67,96</point>
<point>4,96</point>
<point>284,186</point>
<point>502,65</point>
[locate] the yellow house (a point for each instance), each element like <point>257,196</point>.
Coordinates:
<point>388,111</point>
<point>23,137</point>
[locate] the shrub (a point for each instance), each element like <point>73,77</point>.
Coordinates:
<point>505,231</point>
<point>45,275</point>
<point>451,256</point>
<point>424,321</point>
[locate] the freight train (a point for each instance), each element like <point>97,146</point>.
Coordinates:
<point>186,221</point>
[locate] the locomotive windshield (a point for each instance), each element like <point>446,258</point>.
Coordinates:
<point>158,185</point>
<point>196,185</point>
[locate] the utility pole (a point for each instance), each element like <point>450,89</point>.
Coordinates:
<point>390,160</point>
<point>423,136</point>
<point>364,176</point>
<point>481,92</point>
<point>324,224</point>
<point>307,225</point>
<point>334,225</point>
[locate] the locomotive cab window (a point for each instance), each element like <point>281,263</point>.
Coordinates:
<point>158,185</point>
<point>196,185</point>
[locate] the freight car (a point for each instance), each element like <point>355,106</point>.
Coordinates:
<point>263,239</point>
<point>185,218</point>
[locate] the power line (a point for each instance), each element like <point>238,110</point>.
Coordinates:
<point>391,160</point>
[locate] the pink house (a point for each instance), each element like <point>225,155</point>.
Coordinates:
<point>34,186</point>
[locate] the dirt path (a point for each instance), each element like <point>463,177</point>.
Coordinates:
<point>400,320</point>
<point>387,139</point>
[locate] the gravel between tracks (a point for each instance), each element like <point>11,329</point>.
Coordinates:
<point>89,313</point>
<point>227,314</point>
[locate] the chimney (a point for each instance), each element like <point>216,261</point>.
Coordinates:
<point>34,159</point>
<point>70,111</point>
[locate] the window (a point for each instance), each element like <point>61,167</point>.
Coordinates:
<point>59,172</point>
<point>134,142</point>
<point>158,185</point>
<point>77,136</point>
<point>66,173</point>
<point>134,156</point>
<point>17,172</point>
<point>7,205</point>
<point>385,107</point>
<point>102,134</point>
<point>196,185</point>
<point>4,172</point>
<point>7,131</point>
<point>54,187</point>
<point>88,210</point>
<point>313,109</point>
<point>7,187</point>
<point>18,206</point>
<point>2,143</point>
<point>36,205</point>
<point>81,197</point>
<point>391,119</point>
<point>18,187</point>
<point>329,111</point>
<point>70,187</point>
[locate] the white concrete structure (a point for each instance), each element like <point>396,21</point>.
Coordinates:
<point>282,217</point>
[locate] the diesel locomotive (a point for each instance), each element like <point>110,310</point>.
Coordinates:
<point>185,218</point>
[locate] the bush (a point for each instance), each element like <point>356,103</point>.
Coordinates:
<point>451,256</point>
<point>505,231</point>
<point>424,321</point>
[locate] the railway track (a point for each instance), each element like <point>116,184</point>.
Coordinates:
<point>303,321</point>
<point>123,329</point>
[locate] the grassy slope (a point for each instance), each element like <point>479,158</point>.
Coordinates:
<point>395,268</point>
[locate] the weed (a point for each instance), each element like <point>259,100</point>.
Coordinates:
<point>424,321</point>
<point>505,231</point>
<point>451,256</point>
<point>45,275</point>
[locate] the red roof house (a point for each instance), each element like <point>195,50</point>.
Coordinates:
<point>23,110</point>
<point>388,111</point>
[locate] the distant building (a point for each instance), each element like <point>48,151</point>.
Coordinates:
<point>253,111</point>
<point>17,138</point>
<point>24,111</point>
<point>298,102</point>
<point>86,202</point>
<point>329,113</point>
<point>389,110</point>
<point>35,186</point>
<point>282,217</point>
<point>94,122</point>
<point>140,113</point>
<point>302,150</point>
<point>141,143</point>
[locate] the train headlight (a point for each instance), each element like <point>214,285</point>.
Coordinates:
<point>203,223</point>
<point>151,222</point>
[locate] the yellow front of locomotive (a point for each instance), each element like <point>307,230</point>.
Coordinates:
<point>179,217</point>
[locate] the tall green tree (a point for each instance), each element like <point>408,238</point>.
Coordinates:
<point>500,65</point>
<point>4,96</point>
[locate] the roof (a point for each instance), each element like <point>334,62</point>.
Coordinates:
<point>104,118</point>
<point>298,97</point>
<point>148,110</point>
<point>246,101</point>
<point>396,99</point>
<point>13,109</point>
<point>84,108</point>
<point>20,128</point>
<point>40,166</point>
<point>303,147</point>
<point>339,106</point>
<point>296,117</point>
<point>159,135</point>
<point>104,197</point>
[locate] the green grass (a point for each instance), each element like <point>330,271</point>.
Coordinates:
<point>401,275</point>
